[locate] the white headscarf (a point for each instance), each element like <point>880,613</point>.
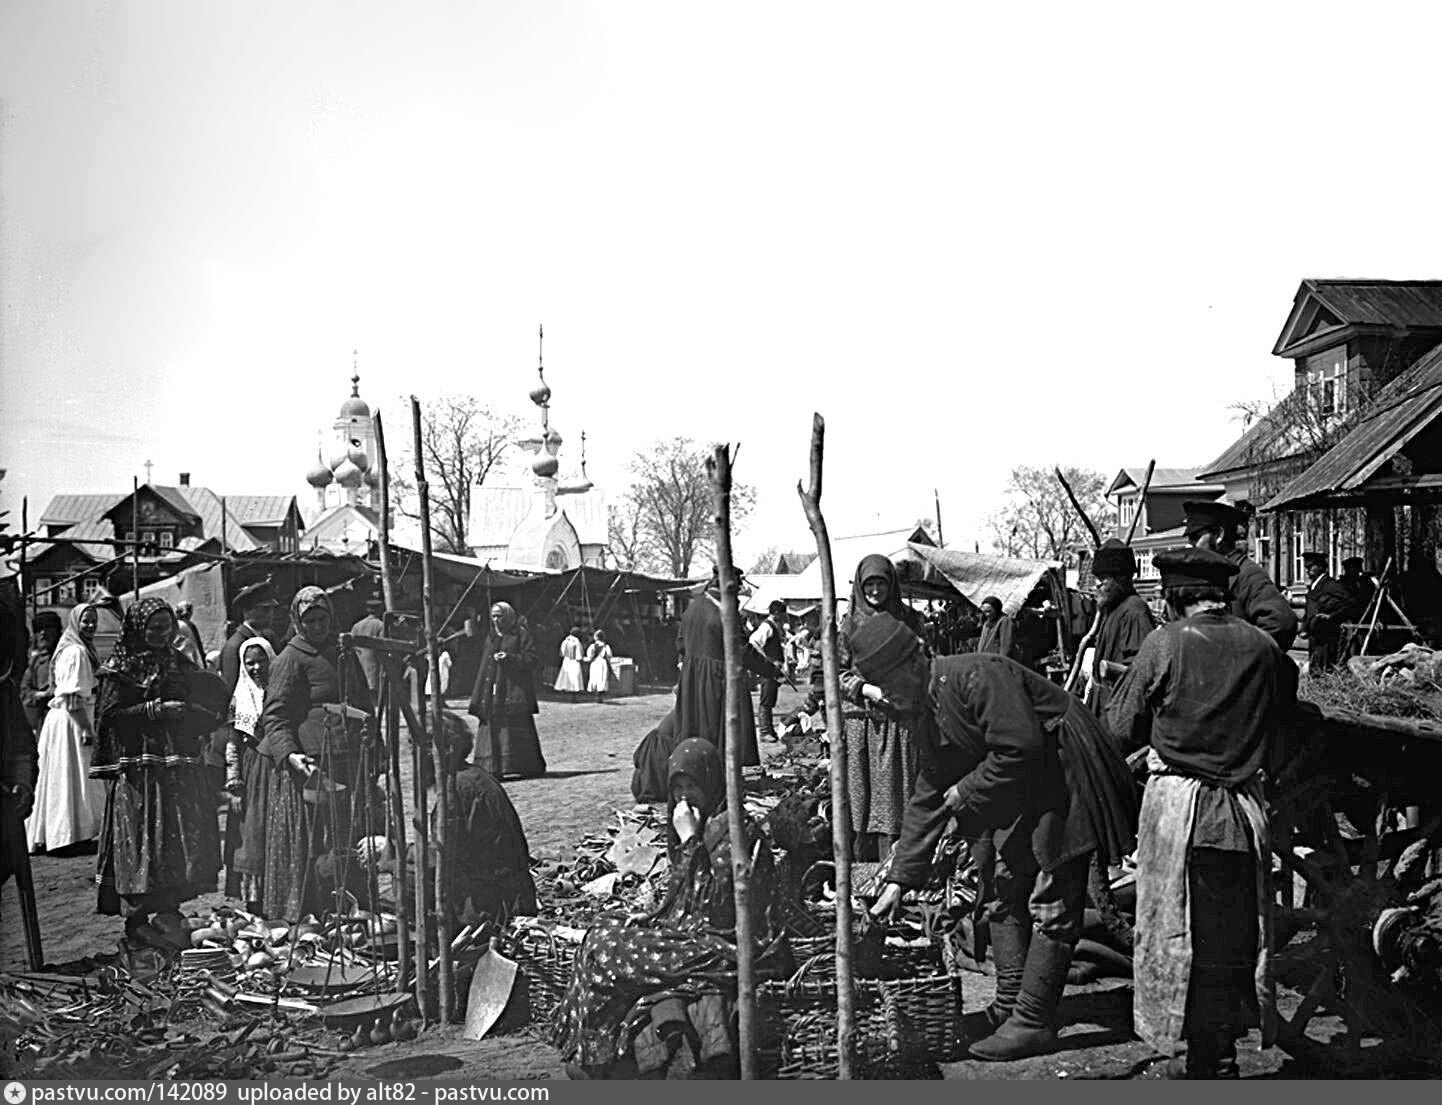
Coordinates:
<point>249,695</point>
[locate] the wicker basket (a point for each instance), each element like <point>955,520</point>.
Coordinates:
<point>798,1020</point>
<point>544,961</point>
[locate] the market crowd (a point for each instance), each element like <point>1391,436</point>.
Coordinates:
<point>952,728</point>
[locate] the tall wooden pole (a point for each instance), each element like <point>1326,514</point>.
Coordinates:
<point>719,469</point>
<point>438,740</point>
<point>24,540</point>
<point>135,536</point>
<point>836,730</point>
<point>391,689</point>
<point>936,498</point>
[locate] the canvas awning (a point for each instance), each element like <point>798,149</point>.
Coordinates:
<point>977,575</point>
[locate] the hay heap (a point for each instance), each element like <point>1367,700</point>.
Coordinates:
<point>1404,684</point>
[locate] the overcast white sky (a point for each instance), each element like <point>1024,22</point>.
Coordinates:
<point>972,236</point>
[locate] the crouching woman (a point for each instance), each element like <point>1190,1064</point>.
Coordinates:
<point>653,995</point>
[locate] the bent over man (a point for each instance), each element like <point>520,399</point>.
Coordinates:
<point>1207,692</point>
<point>1018,762</point>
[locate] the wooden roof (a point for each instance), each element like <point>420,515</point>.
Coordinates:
<point>1405,408</point>
<point>1163,479</point>
<point>1324,307</point>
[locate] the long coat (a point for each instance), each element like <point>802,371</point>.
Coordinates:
<point>1122,632</point>
<point>701,699</point>
<point>1329,604</point>
<point>506,688</point>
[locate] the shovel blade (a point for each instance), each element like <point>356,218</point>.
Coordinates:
<point>491,988</point>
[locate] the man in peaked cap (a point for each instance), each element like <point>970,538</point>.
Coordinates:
<point>1207,692</point>
<point>1359,585</point>
<point>1126,620</point>
<point>1255,598</point>
<point>1329,604</point>
<point>1019,764</point>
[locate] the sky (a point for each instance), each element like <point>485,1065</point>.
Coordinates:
<point>971,236</point>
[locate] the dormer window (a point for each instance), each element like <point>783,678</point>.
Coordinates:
<point>1126,510</point>
<point>1326,377</point>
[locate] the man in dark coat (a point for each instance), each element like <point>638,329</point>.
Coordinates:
<point>1255,598</point>
<point>1359,585</point>
<point>256,605</point>
<point>1208,693</point>
<point>35,683</point>
<point>1126,620</point>
<point>1018,763</point>
<point>1329,604</point>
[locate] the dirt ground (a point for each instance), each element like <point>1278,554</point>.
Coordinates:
<point>588,749</point>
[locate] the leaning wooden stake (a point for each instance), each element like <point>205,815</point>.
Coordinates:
<point>438,738</point>
<point>395,793</point>
<point>835,728</point>
<point>719,469</point>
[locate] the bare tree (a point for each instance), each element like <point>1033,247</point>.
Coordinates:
<point>462,442</point>
<point>1038,520</point>
<point>663,519</point>
<point>764,562</point>
<point>629,549</point>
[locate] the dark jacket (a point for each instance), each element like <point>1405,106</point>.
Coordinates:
<point>507,687</point>
<point>35,687</point>
<point>991,759</point>
<point>1329,604</point>
<point>1207,692</point>
<point>302,680</point>
<point>1256,599</point>
<point>1122,632</point>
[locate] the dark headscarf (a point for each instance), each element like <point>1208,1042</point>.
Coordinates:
<point>134,660</point>
<point>701,760</point>
<point>873,567</point>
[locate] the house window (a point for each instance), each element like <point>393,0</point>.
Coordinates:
<point>1126,510</point>
<point>43,584</point>
<point>167,539</point>
<point>1262,550</point>
<point>90,585</point>
<point>1145,568</point>
<point>1327,381</point>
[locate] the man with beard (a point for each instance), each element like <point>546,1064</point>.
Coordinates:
<point>1126,621</point>
<point>1255,598</point>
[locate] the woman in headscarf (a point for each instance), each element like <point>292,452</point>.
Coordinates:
<point>881,762</point>
<point>654,994</point>
<point>568,679</point>
<point>159,839</point>
<point>307,847</point>
<point>504,699</point>
<point>247,776</point>
<point>67,803</point>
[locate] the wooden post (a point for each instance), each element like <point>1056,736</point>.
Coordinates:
<point>719,469</point>
<point>390,689</point>
<point>836,729</point>
<point>438,740</point>
<point>34,598</point>
<point>135,537</point>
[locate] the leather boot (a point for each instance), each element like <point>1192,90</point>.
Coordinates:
<point>765,723</point>
<point>1031,1028</point>
<point>1009,942</point>
<point>1210,1054</point>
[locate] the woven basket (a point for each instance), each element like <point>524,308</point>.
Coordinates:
<point>544,960</point>
<point>798,1020</point>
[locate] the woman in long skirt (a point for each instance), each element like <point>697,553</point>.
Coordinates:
<point>159,838</point>
<point>247,777</point>
<point>68,803</point>
<point>569,679</point>
<point>598,664</point>
<point>504,699</point>
<point>308,846</point>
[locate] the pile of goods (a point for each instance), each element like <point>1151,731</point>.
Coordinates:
<point>1402,684</point>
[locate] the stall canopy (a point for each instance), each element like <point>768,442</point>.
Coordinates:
<point>976,575</point>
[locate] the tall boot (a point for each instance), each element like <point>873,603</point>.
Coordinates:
<point>1211,1053</point>
<point>1031,1028</point>
<point>1010,940</point>
<point>766,724</point>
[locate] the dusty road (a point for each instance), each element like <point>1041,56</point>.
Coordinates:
<point>588,748</point>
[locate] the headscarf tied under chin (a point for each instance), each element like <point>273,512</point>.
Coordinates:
<point>133,659</point>
<point>505,613</point>
<point>873,567</point>
<point>249,695</point>
<point>701,760</point>
<point>73,636</point>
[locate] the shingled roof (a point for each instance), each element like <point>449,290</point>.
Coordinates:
<point>1321,307</point>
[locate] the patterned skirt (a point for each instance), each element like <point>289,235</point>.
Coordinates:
<point>881,771</point>
<point>159,838</point>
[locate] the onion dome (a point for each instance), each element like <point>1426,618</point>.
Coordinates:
<point>545,465</point>
<point>348,475</point>
<point>355,406</point>
<point>357,456</point>
<point>373,477</point>
<point>319,476</point>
